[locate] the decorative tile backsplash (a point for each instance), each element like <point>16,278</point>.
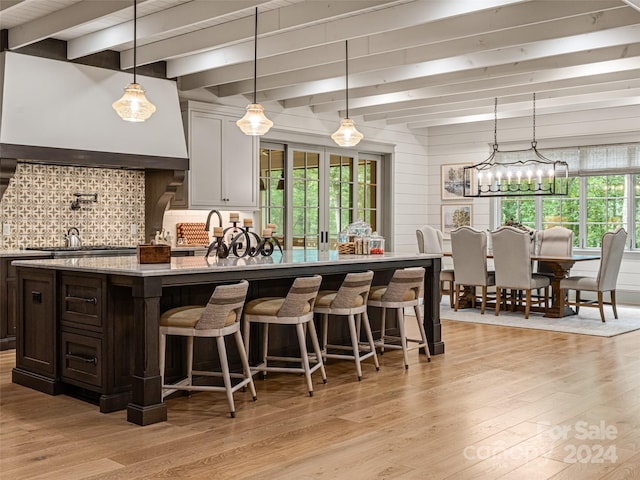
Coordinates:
<point>35,210</point>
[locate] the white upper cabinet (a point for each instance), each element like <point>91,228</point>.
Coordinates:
<point>223,161</point>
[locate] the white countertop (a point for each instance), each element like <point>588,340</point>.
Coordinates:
<point>128,265</point>
<point>24,253</point>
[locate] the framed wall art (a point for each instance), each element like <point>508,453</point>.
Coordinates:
<point>452,181</point>
<point>454,216</point>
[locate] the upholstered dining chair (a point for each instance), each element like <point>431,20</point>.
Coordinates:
<point>403,291</point>
<point>512,263</point>
<point>612,248</point>
<point>349,301</point>
<point>295,309</point>
<point>218,319</point>
<point>555,241</point>
<point>469,250</point>
<point>430,240</point>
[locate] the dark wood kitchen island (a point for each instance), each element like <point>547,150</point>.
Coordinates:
<point>90,325</point>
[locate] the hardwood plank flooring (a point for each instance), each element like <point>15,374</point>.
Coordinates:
<point>501,403</point>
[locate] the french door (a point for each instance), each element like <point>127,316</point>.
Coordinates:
<point>318,192</point>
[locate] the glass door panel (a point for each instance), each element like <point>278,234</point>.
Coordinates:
<point>305,199</point>
<point>272,189</point>
<point>341,198</point>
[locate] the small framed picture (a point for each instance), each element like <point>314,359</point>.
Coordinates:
<point>452,179</point>
<point>454,216</point>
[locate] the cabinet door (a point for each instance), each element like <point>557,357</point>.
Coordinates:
<point>223,170</point>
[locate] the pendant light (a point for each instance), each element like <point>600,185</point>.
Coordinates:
<point>347,135</point>
<point>515,172</point>
<point>134,106</point>
<point>254,121</point>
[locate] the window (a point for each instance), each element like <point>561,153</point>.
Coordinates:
<point>595,204</point>
<point>313,193</point>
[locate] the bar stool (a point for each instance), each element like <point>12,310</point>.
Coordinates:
<point>218,319</point>
<point>294,309</point>
<point>402,291</point>
<point>349,300</point>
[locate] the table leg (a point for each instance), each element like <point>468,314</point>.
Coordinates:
<point>558,308</point>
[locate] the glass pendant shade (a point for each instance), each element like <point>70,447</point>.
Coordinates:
<point>347,135</point>
<point>254,121</point>
<point>134,106</point>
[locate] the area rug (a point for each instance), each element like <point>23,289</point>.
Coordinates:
<point>587,322</point>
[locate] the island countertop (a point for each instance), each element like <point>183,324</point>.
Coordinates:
<point>128,265</point>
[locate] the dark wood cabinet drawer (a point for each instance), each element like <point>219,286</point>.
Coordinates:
<point>81,359</point>
<point>81,300</point>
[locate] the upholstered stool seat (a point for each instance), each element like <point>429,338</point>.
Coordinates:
<point>294,309</point>
<point>403,291</point>
<point>218,319</point>
<point>349,301</point>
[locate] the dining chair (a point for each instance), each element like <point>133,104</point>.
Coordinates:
<point>555,241</point>
<point>296,309</point>
<point>430,240</point>
<point>469,251</point>
<point>512,263</point>
<point>218,319</point>
<point>612,249</point>
<point>348,302</point>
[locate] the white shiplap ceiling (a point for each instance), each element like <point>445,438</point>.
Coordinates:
<point>416,62</point>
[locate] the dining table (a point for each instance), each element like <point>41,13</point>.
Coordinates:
<point>560,266</point>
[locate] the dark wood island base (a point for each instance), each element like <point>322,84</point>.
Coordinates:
<point>89,326</point>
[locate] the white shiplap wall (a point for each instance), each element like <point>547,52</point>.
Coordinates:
<point>470,143</point>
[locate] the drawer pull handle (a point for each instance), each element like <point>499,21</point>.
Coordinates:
<point>36,297</point>
<point>82,358</point>
<point>92,300</point>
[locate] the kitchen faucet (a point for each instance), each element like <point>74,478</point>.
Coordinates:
<point>208,224</point>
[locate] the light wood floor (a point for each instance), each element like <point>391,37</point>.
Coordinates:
<point>501,403</point>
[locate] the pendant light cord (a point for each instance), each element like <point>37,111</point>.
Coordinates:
<point>346,75</point>
<point>495,123</point>
<point>135,36</point>
<point>534,143</point>
<point>255,57</point>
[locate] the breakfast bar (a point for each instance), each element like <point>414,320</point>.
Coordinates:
<point>89,326</point>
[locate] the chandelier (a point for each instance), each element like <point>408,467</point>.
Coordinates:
<point>255,122</point>
<point>515,172</point>
<point>134,106</point>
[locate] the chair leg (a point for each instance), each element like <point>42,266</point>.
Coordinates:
<point>316,349</point>
<point>383,324</point>
<point>601,306</point>
<point>265,344</point>
<point>423,334</point>
<point>613,304</point>
<point>305,357</point>
<point>190,360</point>
<point>372,345</point>
<point>498,294</point>
<point>484,300</point>
<point>451,287</point>
<point>226,376</point>
<point>403,336</point>
<point>244,359</point>
<point>354,343</point>
<point>325,335</point>
<point>577,301</point>
<point>457,303</point>
<point>162,355</point>
<point>527,306</point>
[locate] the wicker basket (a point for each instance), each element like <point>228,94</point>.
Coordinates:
<point>348,248</point>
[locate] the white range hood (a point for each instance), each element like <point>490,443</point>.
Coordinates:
<point>61,112</point>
